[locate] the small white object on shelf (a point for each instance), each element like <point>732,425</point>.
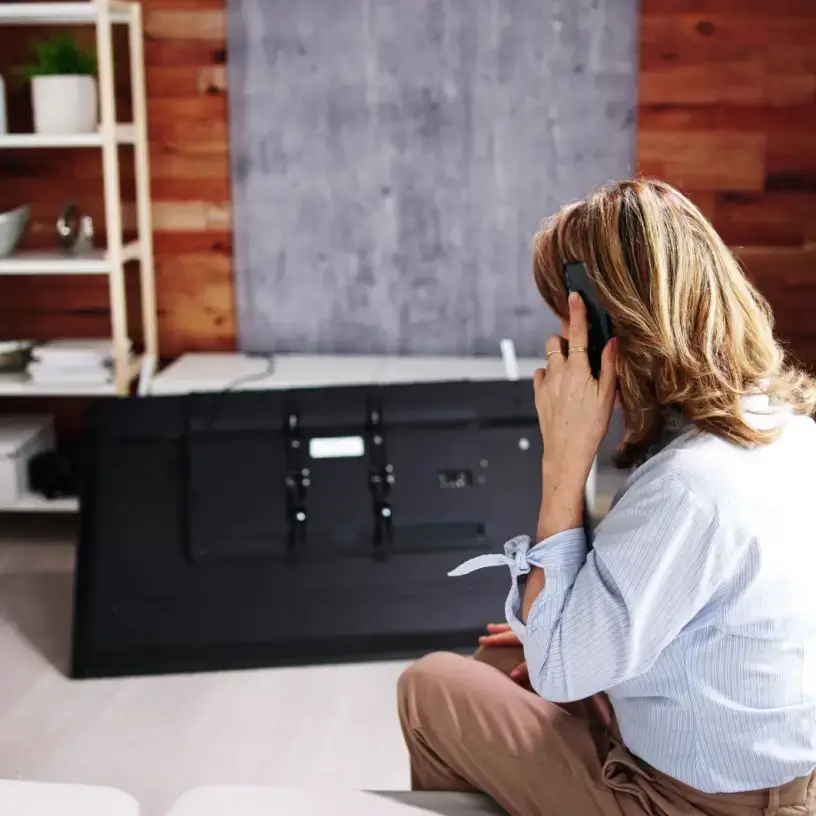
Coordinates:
<point>41,374</point>
<point>65,105</point>
<point>21,385</point>
<point>72,362</point>
<point>21,438</point>
<point>75,352</point>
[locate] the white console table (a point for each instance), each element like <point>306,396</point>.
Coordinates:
<point>193,373</point>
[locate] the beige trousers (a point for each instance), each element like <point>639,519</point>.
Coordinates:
<point>469,727</point>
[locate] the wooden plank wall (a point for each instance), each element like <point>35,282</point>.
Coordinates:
<point>186,78</point>
<point>727,112</point>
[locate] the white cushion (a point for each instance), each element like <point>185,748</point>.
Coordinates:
<point>260,801</point>
<point>50,799</point>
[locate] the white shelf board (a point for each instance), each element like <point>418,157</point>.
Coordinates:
<point>18,385</point>
<point>57,13</point>
<point>34,503</point>
<point>125,134</point>
<point>55,262</point>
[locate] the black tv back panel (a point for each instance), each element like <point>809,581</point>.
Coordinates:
<point>272,527</point>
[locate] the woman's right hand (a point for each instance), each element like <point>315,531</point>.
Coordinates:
<point>498,635</point>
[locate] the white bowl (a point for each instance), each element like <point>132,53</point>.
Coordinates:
<point>12,225</point>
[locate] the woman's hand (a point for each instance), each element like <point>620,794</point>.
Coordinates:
<point>574,410</point>
<point>573,407</point>
<point>500,634</point>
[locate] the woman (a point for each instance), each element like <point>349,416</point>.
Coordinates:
<point>694,613</point>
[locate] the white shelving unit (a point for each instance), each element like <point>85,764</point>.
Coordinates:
<point>103,15</point>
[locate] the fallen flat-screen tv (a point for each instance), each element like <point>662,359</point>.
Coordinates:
<point>262,528</point>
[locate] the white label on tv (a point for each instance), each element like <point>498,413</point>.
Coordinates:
<point>336,447</point>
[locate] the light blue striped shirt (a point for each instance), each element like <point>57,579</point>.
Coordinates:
<point>695,611</point>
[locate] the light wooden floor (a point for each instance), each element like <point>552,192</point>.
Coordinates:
<point>156,737</point>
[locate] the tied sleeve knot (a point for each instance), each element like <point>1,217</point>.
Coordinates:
<point>515,557</point>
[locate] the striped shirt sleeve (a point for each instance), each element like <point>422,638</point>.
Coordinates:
<point>605,616</point>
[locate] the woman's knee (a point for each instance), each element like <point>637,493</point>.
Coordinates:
<point>430,668</point>
<point>419,685</point>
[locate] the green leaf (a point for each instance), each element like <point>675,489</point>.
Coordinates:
<point>60,55</point>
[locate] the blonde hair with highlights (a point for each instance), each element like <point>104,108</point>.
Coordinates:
<point>693,333</point>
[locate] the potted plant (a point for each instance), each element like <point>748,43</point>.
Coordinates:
<point>63,86</point>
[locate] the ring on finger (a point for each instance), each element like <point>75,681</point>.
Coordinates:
<point>578,348</point>
<point>554,351</point>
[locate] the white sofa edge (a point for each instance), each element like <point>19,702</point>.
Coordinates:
<point>26,798</point>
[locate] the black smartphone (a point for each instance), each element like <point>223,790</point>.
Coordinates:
<point>599,331</point>
<point>577,279</point>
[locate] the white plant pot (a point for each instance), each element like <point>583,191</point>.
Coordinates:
<point>65,104</point>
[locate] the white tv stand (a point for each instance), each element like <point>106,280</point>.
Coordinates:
<point>193,373</point>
